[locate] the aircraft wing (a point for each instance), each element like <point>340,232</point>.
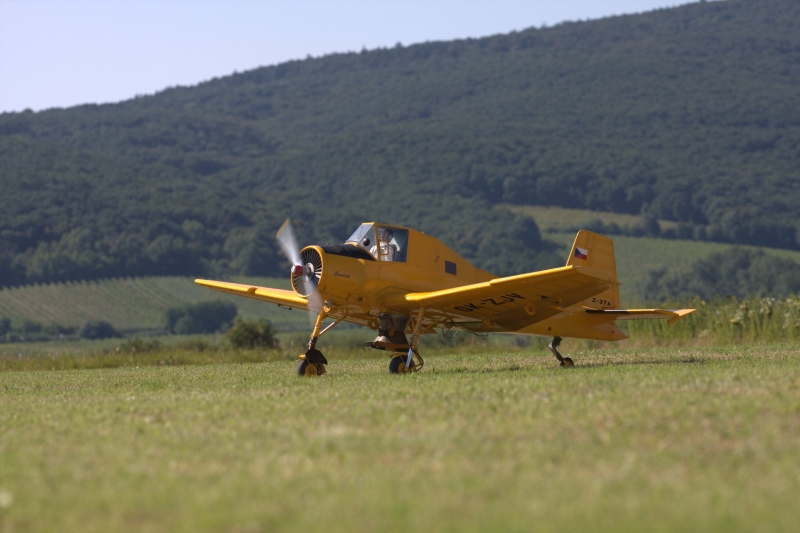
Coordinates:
<point>515,302</point>
<point>266,294</point>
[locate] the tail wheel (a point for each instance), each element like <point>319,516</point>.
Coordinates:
<point>567,362</point>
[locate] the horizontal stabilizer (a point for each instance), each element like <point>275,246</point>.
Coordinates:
<point>671,315</point>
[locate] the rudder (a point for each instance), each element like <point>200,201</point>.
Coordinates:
<point>596,251</point>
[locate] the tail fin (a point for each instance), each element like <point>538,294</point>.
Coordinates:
<point>596,251</point>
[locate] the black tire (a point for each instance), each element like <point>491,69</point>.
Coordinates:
<point>395,362</point>
<point>301,368</point>
<point>567,363</point>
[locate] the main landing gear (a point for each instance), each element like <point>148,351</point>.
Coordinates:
<point>405,355</point>
<point>566,362</point>
<point>411,362</point>
<point>391,337</point>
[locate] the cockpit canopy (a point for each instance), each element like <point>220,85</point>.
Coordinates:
<point>384,243</point>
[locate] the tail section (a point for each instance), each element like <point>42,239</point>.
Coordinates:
<point>596,251</point>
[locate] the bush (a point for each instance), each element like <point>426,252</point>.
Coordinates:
<point>251,334</point>
<point>98,330</point>
<point>5,326</point>
<point>203,317</point>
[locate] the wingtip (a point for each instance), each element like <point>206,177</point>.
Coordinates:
<point>680,313</point>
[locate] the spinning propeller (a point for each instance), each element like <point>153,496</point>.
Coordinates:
<point>306,268</point>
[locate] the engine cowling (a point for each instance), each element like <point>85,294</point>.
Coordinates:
<point>307,279</point>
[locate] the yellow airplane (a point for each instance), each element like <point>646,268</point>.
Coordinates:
<point>400,281</point>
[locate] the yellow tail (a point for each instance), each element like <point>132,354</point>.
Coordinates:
<point>596,251</point>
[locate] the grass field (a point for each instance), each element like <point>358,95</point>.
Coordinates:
<point>702,439</point>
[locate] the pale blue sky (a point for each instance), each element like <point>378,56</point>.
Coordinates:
<point>60,53</point>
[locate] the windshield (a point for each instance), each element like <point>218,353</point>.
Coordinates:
<point>363,236</point>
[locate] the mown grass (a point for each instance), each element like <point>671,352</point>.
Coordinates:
<point>174,350</point>
<point>630,440</point>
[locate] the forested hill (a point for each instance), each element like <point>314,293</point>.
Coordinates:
<point>689,114</point>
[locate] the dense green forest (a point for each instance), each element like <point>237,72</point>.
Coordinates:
<point>687,114</point>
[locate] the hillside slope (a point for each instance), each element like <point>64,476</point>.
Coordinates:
<point>132,304</point>
<point>687,115</point>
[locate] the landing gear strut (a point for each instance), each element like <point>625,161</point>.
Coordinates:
<point>400,364</point>
<point>312,363</point>
<point>566,362</point>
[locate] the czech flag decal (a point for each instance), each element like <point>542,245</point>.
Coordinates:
<point>581,253</point>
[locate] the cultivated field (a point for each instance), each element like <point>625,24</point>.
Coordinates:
<point>700,439</point>
<point>563,219</point>
<point>131,303</point>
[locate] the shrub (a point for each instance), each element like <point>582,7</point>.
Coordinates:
<point>251,334</point>
<point>98,330</point>
<point>5,326</point>
<point>203,317</point>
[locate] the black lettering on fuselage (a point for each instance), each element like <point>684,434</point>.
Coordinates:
<point>496,301</point>
<point>468,307</point>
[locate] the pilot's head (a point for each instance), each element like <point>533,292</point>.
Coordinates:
<point>385,234</point>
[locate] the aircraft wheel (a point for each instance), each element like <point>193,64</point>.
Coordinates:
<point>307,369</point>
<point>397,365</point>
<point>567,362</point>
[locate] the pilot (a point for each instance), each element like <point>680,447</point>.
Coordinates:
<point>388,250</point>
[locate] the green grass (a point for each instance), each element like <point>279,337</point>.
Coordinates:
<point>173,350</point>
<point>132,303</point>
<point>630,440</point>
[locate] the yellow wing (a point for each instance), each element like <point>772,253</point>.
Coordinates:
<point>514,302</point>
<point>266,294</point>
